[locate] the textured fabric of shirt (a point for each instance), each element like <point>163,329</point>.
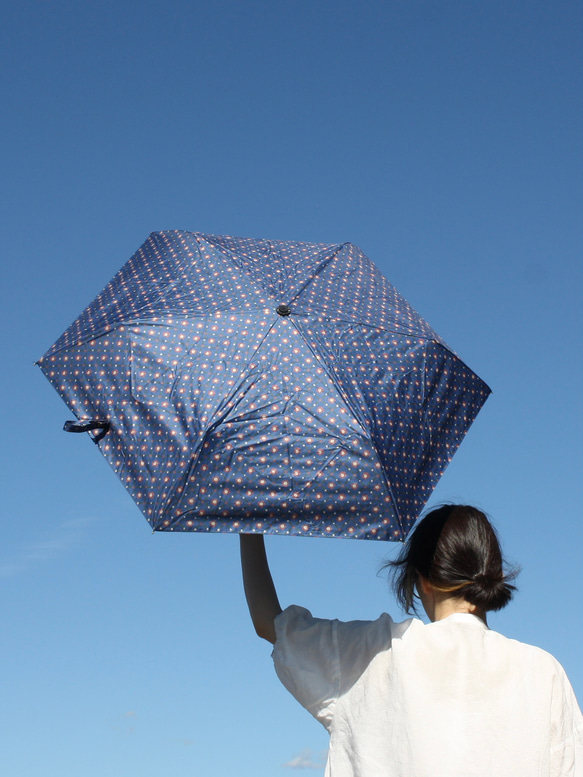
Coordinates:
<point>448,699</point>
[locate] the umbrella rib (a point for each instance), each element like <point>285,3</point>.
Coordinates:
<point>218,420</point>
<point>420,336</point>
<point>364,426</point>
<point>311,277</point>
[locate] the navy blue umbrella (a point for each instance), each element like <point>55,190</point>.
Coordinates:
<point>242,385</point>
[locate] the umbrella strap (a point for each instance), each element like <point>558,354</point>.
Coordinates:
<point>88,426</point>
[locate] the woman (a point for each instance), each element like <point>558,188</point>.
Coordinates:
<point>446,699</point>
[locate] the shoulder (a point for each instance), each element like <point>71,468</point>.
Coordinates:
<point>538,668</point>
<point>317,659</point>
<point>526,651</point>
<point>295,619</point>
<point>298,630</point>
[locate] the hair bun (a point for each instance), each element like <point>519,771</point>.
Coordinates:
<point>489,592</point>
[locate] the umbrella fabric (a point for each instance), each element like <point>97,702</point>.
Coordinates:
<point>265,386</point>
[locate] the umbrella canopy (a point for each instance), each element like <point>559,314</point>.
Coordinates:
<point>244,385</point>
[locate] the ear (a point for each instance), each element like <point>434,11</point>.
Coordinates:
<point>426,586</point>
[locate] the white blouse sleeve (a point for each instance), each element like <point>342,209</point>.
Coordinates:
<point>306,660</point>
<point>566,728</point>
<point>318,660</point>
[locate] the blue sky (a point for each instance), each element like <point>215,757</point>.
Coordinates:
<point>443,138</point>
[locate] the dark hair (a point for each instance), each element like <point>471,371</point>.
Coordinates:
<point>455,548</point>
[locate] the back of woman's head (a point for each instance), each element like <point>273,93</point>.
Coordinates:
<point>456,549</point>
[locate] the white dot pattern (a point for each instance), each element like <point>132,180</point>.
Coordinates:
<point>335,420</point>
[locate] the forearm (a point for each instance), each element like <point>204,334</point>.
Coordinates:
<point>259,589</point>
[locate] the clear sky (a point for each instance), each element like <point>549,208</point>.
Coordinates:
<point>443,138</point>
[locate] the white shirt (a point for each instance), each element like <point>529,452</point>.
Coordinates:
<point>448,699</point>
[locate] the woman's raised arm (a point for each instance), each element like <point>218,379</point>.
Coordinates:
<point>259,589</point>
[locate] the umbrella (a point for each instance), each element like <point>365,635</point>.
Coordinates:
<point>240,385</point>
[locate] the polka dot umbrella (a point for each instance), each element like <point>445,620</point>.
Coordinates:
<point>239,385</point>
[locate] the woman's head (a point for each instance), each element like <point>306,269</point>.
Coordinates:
<point>456,549</point>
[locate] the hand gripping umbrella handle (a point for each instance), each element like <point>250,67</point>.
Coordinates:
<point>88,426</point>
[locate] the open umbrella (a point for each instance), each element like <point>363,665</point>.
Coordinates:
<point>247,385</point>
